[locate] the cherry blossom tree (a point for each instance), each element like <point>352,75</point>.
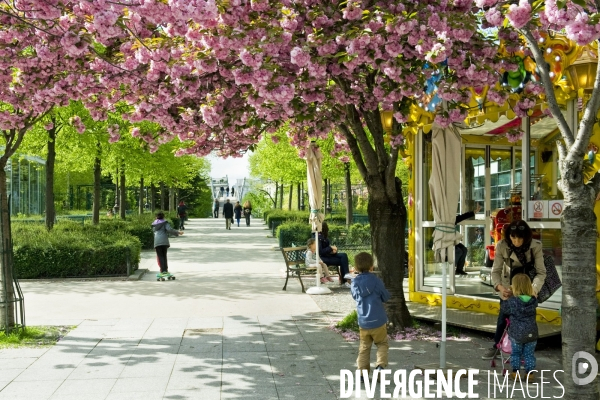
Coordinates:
<point>578,20</point>
<point>222,73</point>
<point>40,67</point>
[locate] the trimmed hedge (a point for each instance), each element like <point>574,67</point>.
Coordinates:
<point>73,250</point>
<point>293,233</point>
<point>281,216</point>
<point>297,233</point>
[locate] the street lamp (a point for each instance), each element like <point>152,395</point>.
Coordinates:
<point>583,70</point>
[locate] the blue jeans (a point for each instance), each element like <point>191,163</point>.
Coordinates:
<point>525,351</point>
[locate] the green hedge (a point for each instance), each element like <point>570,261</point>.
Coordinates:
<point>73,250</point>
<point>297,233</point>
<point>293,233</point>
<point>280,216</point>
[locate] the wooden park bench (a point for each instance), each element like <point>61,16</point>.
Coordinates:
<point>296,266</point>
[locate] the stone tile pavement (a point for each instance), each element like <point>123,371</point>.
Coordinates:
<point>223,330</point>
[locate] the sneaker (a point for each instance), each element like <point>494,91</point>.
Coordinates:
<point>530,377</point>
<point>347,285</point>
<point>379,368</point>
<point>324,280</point>
<point>330,279</point>
<point>514,376</point>
<point>489,354</point>
<point>461,273</point>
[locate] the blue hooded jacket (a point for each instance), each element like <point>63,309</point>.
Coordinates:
<point>370,294</point>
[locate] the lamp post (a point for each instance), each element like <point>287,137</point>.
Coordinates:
<point>583,70</point>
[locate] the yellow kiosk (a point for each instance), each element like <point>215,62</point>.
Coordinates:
<point>506,174</point>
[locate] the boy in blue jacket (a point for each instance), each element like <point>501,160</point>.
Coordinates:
<point>370,294</point>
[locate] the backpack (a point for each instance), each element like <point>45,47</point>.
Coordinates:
<point>552,282</point>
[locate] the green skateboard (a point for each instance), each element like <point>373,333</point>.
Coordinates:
<point>165,276</point>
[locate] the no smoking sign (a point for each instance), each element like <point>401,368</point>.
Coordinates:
<point>555,208</point>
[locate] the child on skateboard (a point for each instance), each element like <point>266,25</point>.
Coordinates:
<point>162,229</point>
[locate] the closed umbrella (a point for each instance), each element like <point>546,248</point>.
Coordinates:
<point>315,192</point>
<point>444,188</point>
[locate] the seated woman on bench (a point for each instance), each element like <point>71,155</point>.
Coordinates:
<point>311,261</point>
<point>330,256</point>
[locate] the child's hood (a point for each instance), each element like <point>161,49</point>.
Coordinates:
<point>158,224</point>
<point>365,284</point>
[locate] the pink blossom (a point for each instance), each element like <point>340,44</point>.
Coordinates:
<point>514,135</point>
<point>49,126</point>
<point>299,57</point>
<point>519,15</point>
<point>494,16</point>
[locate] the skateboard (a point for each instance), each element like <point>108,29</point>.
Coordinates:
<point>165,277</point>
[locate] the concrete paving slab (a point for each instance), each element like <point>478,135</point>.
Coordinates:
<point>87,372</point>
<point>22,353</point>
<point>39,390</point>
<point>137,370</point>
<point>7,375</point>
<point>85,387</point>
<point>147,384</point>
<point>135,395</point>
<point>196,394</point>
<point>223,330</point>
<point>43,373</point>
<point>19,363</point>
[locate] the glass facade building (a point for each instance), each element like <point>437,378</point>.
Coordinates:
<point>26,182</point>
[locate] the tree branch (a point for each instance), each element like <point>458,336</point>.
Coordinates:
<point>368,154</point>
<point>390,176</point>
<point>354,149</point>
<point>373,120</point>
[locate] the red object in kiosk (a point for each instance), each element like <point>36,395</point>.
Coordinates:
<point>502,217</point>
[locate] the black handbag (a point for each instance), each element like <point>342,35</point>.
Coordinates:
<point>552,282</point>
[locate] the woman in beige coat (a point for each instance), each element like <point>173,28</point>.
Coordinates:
<point>517,252</point>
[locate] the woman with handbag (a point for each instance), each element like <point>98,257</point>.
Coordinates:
<point>516,253</point>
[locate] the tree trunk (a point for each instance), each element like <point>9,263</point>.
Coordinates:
<point>171,199</point>
<point>7,315</point>
<point>276,194</point>
<point>141,197</point>
<point>97,188</point>
<point>348,194</point>
<point>291,196</point>
<point>50,162</point>
<point>122,193</point>
<point>298,194</point>
<point>12,140</point>
<point>163,197</point>
<point>579,302</point>
<point>152,197</point>
<point>388,222</point>
<point>281,196</point>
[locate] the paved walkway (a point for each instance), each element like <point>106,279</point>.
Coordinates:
<point>223,330</point>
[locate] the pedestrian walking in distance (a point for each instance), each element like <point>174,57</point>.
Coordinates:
<point>237,210</point>
<point>182,213</point>
<point>228,214</point>
<point>216,209</point>
<point>247,211</point>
